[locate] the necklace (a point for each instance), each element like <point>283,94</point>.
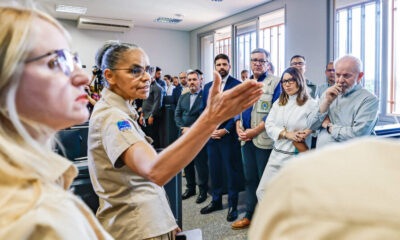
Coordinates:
<point>285,123</point>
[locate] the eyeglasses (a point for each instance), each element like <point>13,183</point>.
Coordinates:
<point>65,60</point>
<point>330,70</point>
<point>297,63</point>
<point>138,71</point>
<point>260,61</point>
<point>288,81</point>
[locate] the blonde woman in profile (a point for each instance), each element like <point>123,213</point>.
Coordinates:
<point>42,91</point>
<point>287,125</point>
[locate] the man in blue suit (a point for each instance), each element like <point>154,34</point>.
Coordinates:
<point>187,111</point>
<point>223,149</point>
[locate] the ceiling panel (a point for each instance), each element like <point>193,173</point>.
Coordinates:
<point>196,13</point>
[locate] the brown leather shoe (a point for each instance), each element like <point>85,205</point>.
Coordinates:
<point>242,223</point>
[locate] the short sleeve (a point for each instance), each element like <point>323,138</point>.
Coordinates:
<point>118,134</point>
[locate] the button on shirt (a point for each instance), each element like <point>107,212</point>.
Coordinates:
<point>131,207</point>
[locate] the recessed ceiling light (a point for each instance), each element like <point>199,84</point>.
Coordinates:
<point>168,20</point>
<point>71,9</point>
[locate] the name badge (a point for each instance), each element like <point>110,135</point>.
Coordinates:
<point>123,125</point>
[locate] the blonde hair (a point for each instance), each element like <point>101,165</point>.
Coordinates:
<point>17,146</point>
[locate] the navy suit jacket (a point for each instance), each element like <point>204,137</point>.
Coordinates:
<point>176,93</point>
<point>163,84</point>
<point>230,83</point>
<point>184,115</point>
<point>151,106</point>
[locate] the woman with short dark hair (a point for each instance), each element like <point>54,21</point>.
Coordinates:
<point>126,172</point>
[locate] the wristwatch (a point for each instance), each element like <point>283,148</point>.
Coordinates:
<point>329,126</point>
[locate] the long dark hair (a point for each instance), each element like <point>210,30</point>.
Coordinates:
<point>302,95</point>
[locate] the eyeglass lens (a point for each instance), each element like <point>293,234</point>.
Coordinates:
<point>261,61</point>
<point>67,61</point>
<point>138,71</point>
<point>290,81</point>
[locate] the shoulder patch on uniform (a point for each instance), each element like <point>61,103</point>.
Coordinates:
<point>123,125</point>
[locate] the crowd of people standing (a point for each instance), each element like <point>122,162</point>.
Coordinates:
<point>259,125</point>
<point>292,116</point>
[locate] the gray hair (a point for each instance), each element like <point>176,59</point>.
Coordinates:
<point>357,62</point>
<point>261,50</point>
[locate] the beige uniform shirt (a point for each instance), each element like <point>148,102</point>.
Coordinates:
<point>131,207</point>
<point>39,207</point>
<point>344,192</point>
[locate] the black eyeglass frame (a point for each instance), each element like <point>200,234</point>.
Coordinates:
<point>290,81</point>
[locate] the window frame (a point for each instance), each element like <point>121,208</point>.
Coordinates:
<point>233,48</point>
<point>382,53</point>
<point>278,69</point>
<point>348,47</point>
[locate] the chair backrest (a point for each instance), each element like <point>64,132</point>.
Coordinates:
<point>70,140</point>
<point>83,132</point>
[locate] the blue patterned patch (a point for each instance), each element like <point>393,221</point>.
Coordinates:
<point>264,106</point>
<point>123,125</point>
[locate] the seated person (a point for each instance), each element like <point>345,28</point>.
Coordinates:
<point>346,110</point>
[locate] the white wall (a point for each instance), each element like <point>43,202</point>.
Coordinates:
<point>168,49</point>
<point>306,32</point>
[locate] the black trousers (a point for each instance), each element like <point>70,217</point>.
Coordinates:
<point>199,165</point>
<point>153,131</point>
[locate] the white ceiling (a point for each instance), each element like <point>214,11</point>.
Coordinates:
<point>197,13</point>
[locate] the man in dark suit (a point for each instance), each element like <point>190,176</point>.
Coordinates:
<point>179,90</point>
<point>186,113</point>
<point>223,149</point>
<point>151,113</point>
<point>160,81</point>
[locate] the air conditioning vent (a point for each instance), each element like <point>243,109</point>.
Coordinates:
<point>105,24</point>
